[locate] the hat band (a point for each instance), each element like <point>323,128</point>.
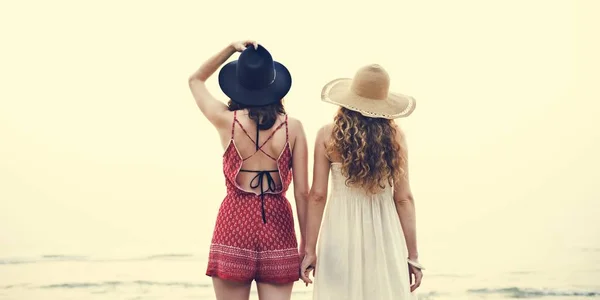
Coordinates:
<point>262,87</point>
<point>274,77</point>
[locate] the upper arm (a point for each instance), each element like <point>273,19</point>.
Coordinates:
<point>213,109</point>
<point>321,165</point>
<point>300,159</point>
<point>402,191</point>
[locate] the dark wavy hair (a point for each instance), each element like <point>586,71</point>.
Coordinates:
<point>371,156</point>
<point>263,116</point>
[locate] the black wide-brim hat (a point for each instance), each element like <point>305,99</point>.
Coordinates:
<point>255,79</point>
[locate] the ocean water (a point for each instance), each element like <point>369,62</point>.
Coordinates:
<point>181,276</point>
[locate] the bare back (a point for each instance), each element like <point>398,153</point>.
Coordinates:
<point>271,144</point>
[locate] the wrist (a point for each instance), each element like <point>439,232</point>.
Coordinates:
<point>415,264</point>
<point>231,48</point>
<point>414,257</point>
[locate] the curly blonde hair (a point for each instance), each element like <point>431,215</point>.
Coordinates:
<point>371,156</point>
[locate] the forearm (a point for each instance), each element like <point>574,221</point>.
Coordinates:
<point>301,210</point>
<point>406,213</point>
<point>212,64</point>
<point>316,206</point>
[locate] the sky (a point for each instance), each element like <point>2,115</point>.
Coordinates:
<point>103,151</point>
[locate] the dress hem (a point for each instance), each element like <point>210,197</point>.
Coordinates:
<point>223,276</point>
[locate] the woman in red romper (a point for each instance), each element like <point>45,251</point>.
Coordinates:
<point>254,237</point>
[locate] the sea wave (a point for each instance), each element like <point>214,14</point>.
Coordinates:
<point>109,284</point>
<point>511,292</point>
<point>515,292</point>
<point>79,258</point>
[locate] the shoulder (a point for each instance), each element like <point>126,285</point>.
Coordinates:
<point>324,133</point>
<point>293,122</point>
<point>295,126</point>
<point>325,130</point>
<point>400,136</point>
<point>295,131</point>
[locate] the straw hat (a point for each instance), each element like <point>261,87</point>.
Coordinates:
<point>368,93</point>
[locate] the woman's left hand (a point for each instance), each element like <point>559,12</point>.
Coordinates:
<point>308,264</point>
<point>416,275</point>
<point>240,46</point>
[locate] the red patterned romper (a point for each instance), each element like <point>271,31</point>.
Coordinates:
<point>254,237</point>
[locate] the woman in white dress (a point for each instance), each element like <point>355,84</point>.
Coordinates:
<point>367,247</point>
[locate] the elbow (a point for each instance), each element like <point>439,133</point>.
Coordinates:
<point>316,196</point>
<point>195,79</point>
<point>301,194</point>
<point>404,199</point>
<point>191,80</point>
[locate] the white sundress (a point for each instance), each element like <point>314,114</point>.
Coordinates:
<point>361,251</point>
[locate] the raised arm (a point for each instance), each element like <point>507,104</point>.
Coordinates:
<point>316,203</point>
<point>405,207</point>
<point>300,179</point>
<point>211,107</point>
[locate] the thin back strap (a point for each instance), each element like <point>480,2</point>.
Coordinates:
<point>233,123</point>
<point>260,147</point>
<point>235,120</point>
<point>286,128</point>
<point>273,134</point>
<point>244,130</point>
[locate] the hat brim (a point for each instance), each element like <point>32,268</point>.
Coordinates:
<point>395,106</point>
<point>269,95</point>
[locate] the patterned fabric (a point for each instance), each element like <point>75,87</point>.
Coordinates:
<point>246,245</point>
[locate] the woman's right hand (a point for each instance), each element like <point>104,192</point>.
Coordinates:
<point>240,46</point>
<point>309,264</point>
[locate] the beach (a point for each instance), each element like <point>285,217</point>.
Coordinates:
<point>181,276</point>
